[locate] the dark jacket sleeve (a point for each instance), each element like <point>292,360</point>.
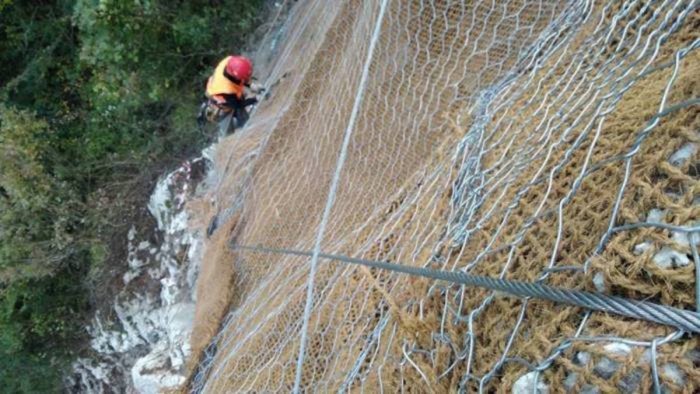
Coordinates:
<point>250,101</point>
<point>234,102</point>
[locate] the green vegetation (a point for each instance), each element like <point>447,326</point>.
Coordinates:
<point>92,93</point>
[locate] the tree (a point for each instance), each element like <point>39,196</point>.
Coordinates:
<point>84,84</point>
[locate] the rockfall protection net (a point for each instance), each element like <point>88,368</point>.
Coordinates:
<point>538,141</point>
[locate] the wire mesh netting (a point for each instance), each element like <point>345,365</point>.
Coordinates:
<point>550,142</point>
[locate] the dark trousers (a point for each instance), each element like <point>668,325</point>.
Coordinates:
<point>240,117</point>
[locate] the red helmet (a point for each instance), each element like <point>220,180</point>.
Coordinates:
<point>240,67</point>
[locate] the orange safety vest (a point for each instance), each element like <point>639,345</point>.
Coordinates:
<point>218,84</point>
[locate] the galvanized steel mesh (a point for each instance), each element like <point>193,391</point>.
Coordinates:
<point>528,140</point>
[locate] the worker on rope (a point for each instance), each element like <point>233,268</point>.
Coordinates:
<point>225,92</point>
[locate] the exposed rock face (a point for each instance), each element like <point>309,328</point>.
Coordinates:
<point>145,347</point>
<point>159,368</point>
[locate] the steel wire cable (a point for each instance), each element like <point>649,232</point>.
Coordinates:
<point>642,310</point>
<point>528,100</point>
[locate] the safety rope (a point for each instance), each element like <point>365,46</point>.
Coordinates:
<point>642,310</point>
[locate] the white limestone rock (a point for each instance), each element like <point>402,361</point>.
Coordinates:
<point>618,348</point>
<point>530,383</point>
<point>570,381</point>
<point>155,318</point>
<point>630,383</point>
<point>683,239</point>
<point>152,374</point>
<point>669,258</point>
<point>599,282</point>
<point>606,367</point>
<point>656,216</point>
<point>583,358</point>
<point>589,389</point>
<point>685,152</point>
<point>642,247</point>
<point>673,373</point>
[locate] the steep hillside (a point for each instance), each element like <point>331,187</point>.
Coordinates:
<point>548,142</point>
